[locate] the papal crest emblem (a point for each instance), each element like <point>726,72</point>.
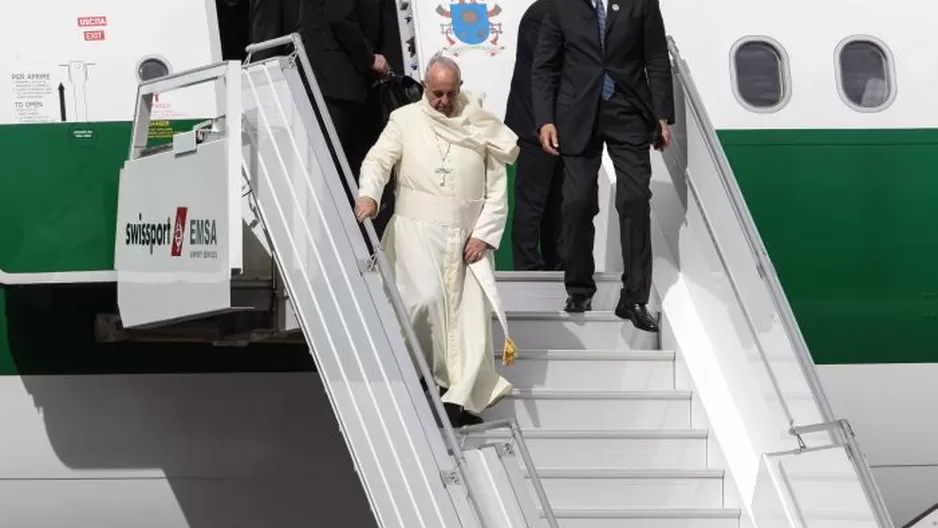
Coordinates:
<point>470,25</point>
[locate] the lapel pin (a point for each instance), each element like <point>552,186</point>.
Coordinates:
<point>615,7</point>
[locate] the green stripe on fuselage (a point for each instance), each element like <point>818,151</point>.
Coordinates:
<point>58,205</point>
<point>847,216</point>
<point>850,219</point>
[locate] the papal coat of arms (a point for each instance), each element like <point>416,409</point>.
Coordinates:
<point>470,25</point>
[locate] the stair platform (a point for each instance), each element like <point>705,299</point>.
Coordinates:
<point>559,330</point>
<point>607,370</point>
<point>647,518</point>
<point>537,290</point>
<point>632,488</point>
<point>585,409</point>
<point>609,448</point>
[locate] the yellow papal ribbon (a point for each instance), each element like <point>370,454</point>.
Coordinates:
<point>509,353</point>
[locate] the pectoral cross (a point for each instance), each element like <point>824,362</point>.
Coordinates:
<point>442,172</point>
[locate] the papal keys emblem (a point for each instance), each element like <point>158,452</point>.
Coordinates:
<point>470,26</point>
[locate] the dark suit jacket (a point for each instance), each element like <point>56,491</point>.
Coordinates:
<point>342,37</point>
<point>519,114</point>
<point>569,65</point>
<point>270,19</point>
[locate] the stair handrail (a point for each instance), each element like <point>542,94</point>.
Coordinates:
<point>526,457</point>
<point>378,261</point>
<point>838,427</point>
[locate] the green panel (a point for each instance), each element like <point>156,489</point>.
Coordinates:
<point>58,204</point>
<point>504,261</point>
<point>60,177</point>
<point>849,219</point>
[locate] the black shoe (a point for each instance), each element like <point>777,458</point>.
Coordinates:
<point>638,314</point>
<point>469,418</point>
<point>459,417</point>
<point>578,303</point>
<point>454,413</point>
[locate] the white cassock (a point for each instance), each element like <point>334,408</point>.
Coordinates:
<point>451,185</point>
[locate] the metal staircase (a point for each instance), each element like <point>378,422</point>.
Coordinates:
<point>618,419</point>
<point>610,426</point>
<point>718,422</point>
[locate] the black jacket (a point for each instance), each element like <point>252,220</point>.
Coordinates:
<point>341,37</point>
<point>569,65</point>
<point>519,114</point>
<point>270,19</point>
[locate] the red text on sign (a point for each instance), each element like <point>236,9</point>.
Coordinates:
<point>92,21</point>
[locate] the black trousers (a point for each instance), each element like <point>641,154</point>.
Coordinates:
<point>538,199</point>
<point>356,123</point>
<point>627,134</point>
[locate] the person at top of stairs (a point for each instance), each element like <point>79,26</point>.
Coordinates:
<point>535,229</point>
<point>450,215</point>
<point>604,77</point>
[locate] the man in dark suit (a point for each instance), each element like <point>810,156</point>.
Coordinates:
<point>343,38</point>
<point>538,175</point>
<point>604,77</point>
<point>347,42</point>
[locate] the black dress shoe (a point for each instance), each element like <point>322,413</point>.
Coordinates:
<point>460,417</point>
<point>469,418</point>
<point>638,314</point>
<point>578,303</point>
<point>454,413</point>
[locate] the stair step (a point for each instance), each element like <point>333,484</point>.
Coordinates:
<point>642,518</point>
<point>633,488</point>
<point>536,290</point>
<point>596,370</point>
<point>557,409</point>
<point>609,449</point>
<point>594,330</point>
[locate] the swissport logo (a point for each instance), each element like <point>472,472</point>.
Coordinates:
<point>201,235</point>
<point>179,231</point>
<point>158,234</point>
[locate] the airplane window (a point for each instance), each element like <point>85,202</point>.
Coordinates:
<point>864,74</point>
<point>760,75</point>
<point>151,68</point>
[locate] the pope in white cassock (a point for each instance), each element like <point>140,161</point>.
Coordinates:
<point>450,213</point>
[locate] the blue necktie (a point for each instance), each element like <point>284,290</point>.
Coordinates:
<point>608,85</point>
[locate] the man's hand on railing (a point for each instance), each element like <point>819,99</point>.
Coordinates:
<point>365,208</point>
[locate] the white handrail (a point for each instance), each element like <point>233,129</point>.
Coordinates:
<point>839,428</point>
<point>378,261</point>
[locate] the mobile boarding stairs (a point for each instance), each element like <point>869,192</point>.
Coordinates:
<point>241,230</point>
